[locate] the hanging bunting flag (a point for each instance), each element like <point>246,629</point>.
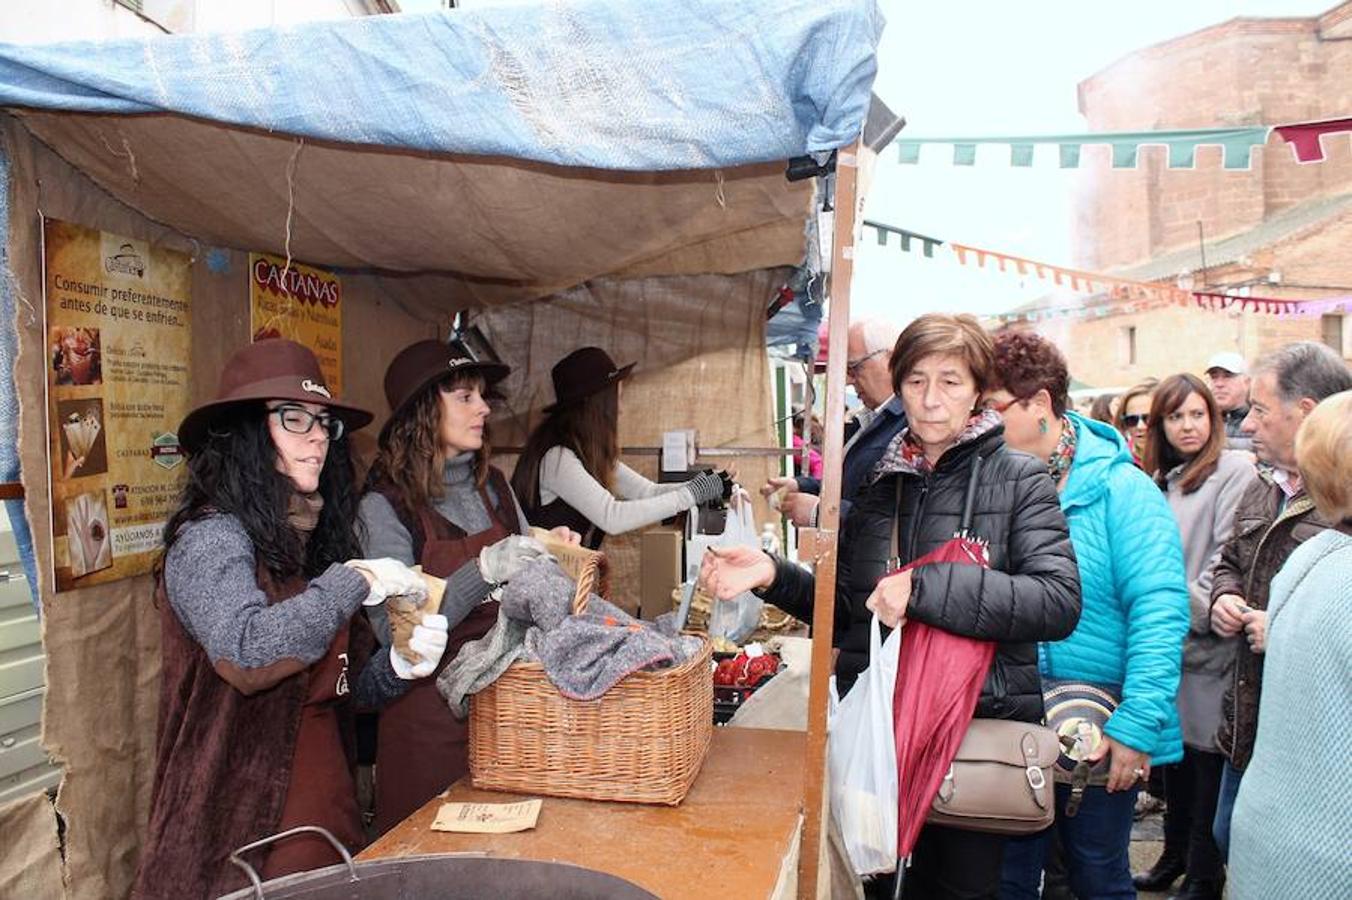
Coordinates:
<point>1273,305</point>
<point>1097,311</point>
<point>1123,295</point>
<point>883,231</point>
<point>1320,307</point>
<point>1075,279</point>
<point>1304,137</point>
<point>1236,144</point>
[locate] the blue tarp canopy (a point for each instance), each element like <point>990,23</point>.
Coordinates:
<point>506,152</point>
<point>611,84</point>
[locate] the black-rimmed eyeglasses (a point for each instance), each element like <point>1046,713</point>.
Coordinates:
<point>299,420</point>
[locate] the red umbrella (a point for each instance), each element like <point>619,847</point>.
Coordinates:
<point>939,678</point>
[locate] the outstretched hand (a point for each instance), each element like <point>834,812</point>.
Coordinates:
<point>727,572</point>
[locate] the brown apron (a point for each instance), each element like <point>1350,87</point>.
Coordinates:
<point>322,791</point>
<point>423,749</point>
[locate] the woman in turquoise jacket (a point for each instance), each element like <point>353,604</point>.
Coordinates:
<point>1134,617</point>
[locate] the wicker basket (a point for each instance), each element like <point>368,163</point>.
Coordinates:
<point>643,742</point>
<point>587,567</point>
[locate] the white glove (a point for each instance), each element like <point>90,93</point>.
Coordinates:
<point>429,642</point>
<point>389,578</point>
<point>499,563</point>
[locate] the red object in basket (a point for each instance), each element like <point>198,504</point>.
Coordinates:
<point>939,678</point>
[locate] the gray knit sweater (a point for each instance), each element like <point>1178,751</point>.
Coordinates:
<point>383,535</point>
<point>211,579</point>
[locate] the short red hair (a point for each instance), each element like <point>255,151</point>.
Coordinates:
<point>1026,363</point>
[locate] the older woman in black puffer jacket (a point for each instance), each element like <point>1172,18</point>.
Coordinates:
<point>951,454</point>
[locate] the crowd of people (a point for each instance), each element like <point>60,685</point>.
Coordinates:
<point>1165,556</point>
<point>1161,548</point>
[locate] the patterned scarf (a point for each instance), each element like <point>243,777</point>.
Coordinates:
<point>905,454</point>
<point>303,511</point>
<point>1058,464</point>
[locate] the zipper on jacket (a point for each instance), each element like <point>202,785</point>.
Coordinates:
<point>999,690</point>
<point>919,512</point>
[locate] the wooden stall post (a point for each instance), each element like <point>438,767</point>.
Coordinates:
<point>822,544</point>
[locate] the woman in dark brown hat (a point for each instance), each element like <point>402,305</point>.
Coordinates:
<point>570,473</point>
<point>264,655</point>
<point>433,500</point>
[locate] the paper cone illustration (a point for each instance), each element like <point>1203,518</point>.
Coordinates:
<point>81,432</point>
<point>405,613</point>
<point>89,544</point>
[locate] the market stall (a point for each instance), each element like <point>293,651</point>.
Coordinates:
<point>584,170</point>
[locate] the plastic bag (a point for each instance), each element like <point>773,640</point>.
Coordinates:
<point>735,620</point>
<point>862,760</point>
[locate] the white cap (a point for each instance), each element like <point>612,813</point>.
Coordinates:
<point>1230,362</point>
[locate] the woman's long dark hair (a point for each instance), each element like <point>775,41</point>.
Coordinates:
<point>234,471</point>
<point>1161,457</point>
<point>591,429</point>
<point>411,459</point>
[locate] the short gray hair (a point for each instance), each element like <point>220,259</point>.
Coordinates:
<point>1306,369</point>
<point>877,334</point>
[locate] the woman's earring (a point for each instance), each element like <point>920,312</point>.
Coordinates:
<point>1042,426</point>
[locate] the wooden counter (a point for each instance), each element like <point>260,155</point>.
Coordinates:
<point>735,835</point>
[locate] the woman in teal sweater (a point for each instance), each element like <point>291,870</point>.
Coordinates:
<point>1134,617</point>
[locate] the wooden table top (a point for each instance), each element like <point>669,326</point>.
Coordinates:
<point>732,835</point>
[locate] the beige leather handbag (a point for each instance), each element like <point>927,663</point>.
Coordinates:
<point>1000,781</point>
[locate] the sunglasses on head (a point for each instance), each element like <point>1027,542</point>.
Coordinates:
<point>1135,419</point>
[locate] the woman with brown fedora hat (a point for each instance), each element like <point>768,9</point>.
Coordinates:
<point>264,657</point>
<point>433,500</point>
<point>570,473</point>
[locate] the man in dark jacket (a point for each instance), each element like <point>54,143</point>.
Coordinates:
<point>1274,516</point>
<point>881,420</point>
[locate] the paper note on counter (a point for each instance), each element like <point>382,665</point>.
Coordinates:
<point>487,818</point>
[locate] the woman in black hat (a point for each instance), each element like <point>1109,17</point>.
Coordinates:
<point>433,500</point>
<point>264,656</point>
<point>570,473</point>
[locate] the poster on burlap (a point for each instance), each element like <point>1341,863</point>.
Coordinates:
<point>118,327</point>
<point>302,303</point>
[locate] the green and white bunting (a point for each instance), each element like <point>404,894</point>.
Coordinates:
<point>1236,144</point>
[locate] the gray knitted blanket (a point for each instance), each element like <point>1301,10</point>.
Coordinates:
<point>583,655</point>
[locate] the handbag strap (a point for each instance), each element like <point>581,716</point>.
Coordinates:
<point>964,524</point>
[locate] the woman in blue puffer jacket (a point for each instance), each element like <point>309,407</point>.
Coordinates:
<point>1135,616</point>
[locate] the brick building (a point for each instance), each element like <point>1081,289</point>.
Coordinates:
<point>1281,229</point>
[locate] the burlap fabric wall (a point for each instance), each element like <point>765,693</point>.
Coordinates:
<point>31,868</point>
<point>700,343</point>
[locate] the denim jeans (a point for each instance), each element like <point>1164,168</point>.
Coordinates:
<point>1096,841</point>
<point>1225,808</point>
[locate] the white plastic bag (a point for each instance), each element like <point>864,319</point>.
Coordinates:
<point>736,619</point>
<point>862,759</point>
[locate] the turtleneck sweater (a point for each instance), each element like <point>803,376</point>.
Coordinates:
<point>383,535</point>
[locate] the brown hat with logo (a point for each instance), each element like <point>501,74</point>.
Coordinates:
<point>425,363</point>
<point>582,373</point>
<point>271,369</point>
